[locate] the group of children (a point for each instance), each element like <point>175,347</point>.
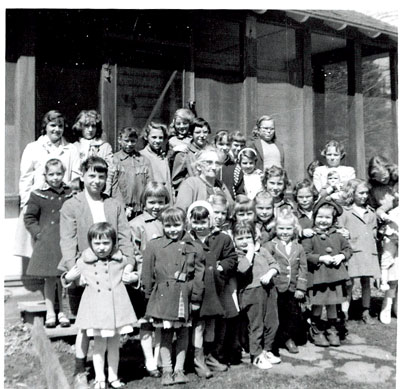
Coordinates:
<point>255,269</point>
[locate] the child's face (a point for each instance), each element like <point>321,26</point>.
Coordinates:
<point>267,130</point>
<point>236,146</point>
<point>333,180</point>
<point>361,195</point>
<point>324,219</point>
<point>128,143</point>
<point>223,145</point>
<point>248,165</point>
<point>89,131</point>
<point>174,230</point>
<point>94,182</point>
<point>102,246</point>
<point>275,186</point>
<point>248,215</point>
<point>220,214</point>
<point>181,127</point>
<point>200,136</point>
<point>243,240</point>
<point>54,176</point>
<point>264,210</point>
<point>155,139</point>
<point>201,227</point>
<point>154,205</point>
<point>332,157</point>
<point>284,230</point>
<point>55,130</point>
<point>305,199</point>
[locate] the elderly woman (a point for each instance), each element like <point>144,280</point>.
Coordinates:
<point>50,144</point>
<point>205,183</point>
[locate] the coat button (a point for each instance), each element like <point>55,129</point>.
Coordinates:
<point>53,210</point>
<point>52,222</point>
<point>288,267</point>
<point>97,282</point>
<point>98,290</point>
<point>51,198</point>
<point>109,289</point>
<point>106,271</point>
<point>60,198</point>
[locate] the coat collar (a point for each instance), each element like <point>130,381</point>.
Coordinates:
<point>60,190</point>
<point>122,156</point>
<point>89,256</point>
<point>186,238</point>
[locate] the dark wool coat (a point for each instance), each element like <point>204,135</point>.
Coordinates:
<point>219,250</point>
<point>292,267</point>
<point>105,302</point>
<point>256,145</point>
<point>164,261</point>
<point>42,220</point>
<point>76,219</point>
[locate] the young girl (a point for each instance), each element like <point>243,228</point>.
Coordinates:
<point>246,178</point>
<point>88,129</point>
<point>305,196</point>
<point>269,150</point>
<point>183,163</point>
<point>326,252</point>
<point>155,134</point>
<point>146,227</point>
<point>244,210</point>
<point>257,294</point>
<point>264,209</point>
<point>291,282</point>
<point>42,220</point>
<point>333,153</point>
<point>179,141</point>
<point>360,220</point>
<point>172,279</point>
<point>105,311</point>
<point>217,306</point>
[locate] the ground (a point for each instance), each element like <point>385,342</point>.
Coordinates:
<point>366,359</point>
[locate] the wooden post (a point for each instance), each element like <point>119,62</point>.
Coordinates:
<point>303,46</point>
<point>108,102</point>
<point>249,67</point>
<point>52,369</point>
<point>188,90</point>
<point>394,97</point>
<point>319,109</point>
<point>355,109</point>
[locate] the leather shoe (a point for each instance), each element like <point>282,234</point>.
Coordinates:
<point>291,346</point>
<point>214,364</point>
<point>154,373</point>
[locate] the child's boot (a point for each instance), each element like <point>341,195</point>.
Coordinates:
<point>332,334</point>
<point>200,366</point>
<point>317,335</point>
<point>366,317</point>
<point>386,311</point>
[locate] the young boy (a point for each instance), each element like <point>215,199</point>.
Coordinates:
<point>130,173</point>
<point>257,294</point>
<point>264,205</point>
<point>238,143</point>
<point>76,216</point>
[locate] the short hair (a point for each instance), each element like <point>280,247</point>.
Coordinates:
<point>263,196</point>
<point>305,184</point>
<point>100,230</point>
<point>275,171</point>
<point>238,136</point>
<point>52,116</point>
<point>200,156</point>
<point>156,126</point>
<point>199,122</point>
<point>243,203</point>
<point>247,152</point>
<point>53,162</point>
<point>173,215</point>
<point>286,214</point>
<point>349,189</point>
<point>332,173</point>
<point>184,114</point>
<point>378,165</point>
<point>155,189</point>
<point>256,129</point>
<point>244,227</point>
<point>88,117</point>
<point>337,145</point>
<point>98,164</point>
<point>199,213</point>
<point>128,131</point>
<point>221,135</point>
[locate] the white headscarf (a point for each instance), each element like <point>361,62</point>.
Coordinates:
<point>206,205</point>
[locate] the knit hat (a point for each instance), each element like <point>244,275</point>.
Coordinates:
<point>327,201</point>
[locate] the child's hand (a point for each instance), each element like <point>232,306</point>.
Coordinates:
<point>308,232</point>
<point>267,277</point>
<point>128,212</point>
<point>326,259</point>
<point>344,232</point>
<point>220,268</point>
<point>298,294</point>
<point>194,306</point>
<point>384,286</point>
<point>129,277</point>
<point>72,274</point>
<point>336,259</point>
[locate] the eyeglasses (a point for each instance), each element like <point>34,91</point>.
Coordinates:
<point>210,163</point>
<point>267,128</point>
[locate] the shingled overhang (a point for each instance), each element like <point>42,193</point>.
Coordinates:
<point>339,20</point>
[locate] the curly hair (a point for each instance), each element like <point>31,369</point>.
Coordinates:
<point>378,165</point>
<point>306,183</point>
<point>349,189</point>
<point>86,117</point>
<point>337,145</point>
